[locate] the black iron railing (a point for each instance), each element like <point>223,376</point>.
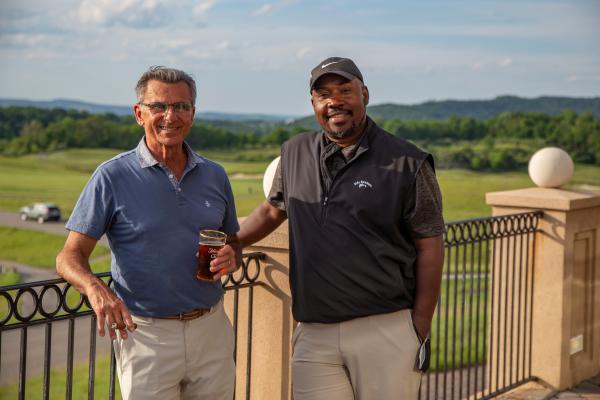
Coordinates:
<point>481,332</point>
<point>41,305</point>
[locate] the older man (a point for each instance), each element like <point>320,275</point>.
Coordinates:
<point>151,202</point>
<point>366,254</point>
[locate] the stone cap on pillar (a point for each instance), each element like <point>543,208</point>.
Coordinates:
<point>544,198</point>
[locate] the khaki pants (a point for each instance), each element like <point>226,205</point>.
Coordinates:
<point>370,358</point>
<point>170,359</point>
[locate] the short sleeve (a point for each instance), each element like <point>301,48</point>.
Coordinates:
<point>276,198</point>
<point>230,222</point>
<point>95,208</point>
<point>426,219</point>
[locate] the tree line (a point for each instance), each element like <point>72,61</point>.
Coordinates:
<point>25,130</point>
<point>504,142</point>
<point>500,143</point>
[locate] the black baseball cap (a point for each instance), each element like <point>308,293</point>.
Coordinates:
<point>335,65</point>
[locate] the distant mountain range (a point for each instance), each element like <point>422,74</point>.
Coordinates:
<point>128,110</point>
<point>431,110</point>
<point>485,109</point>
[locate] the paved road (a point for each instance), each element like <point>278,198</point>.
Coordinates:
<point>28,274</point>
<point>57,228</point>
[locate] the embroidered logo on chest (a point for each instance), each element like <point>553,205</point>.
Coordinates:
<point>362,184</point>
<point>207,203</point>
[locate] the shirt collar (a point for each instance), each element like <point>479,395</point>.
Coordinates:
<point>147,159</point>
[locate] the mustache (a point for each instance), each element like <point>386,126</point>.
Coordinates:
<point>336,111</point>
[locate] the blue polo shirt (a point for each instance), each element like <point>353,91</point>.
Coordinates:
<point>152,222</point>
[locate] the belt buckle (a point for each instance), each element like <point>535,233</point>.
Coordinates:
<point>180,315</point>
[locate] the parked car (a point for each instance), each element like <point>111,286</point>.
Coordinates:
<point>41,212</point>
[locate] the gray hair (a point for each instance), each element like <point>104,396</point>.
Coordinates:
<point>166,75</point>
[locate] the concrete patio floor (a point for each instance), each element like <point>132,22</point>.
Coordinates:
<point>589,389</point>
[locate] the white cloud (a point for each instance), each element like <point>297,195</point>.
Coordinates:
<point>195,54</point>
<point>264,9</point>
<point>23,39</point>
<point>101,11</point>
<point>224,45</point>
<point>135,13</point>
<point>505,62</point>
<point>170,45</point>
<point>272,7</point>
<point>544,52</point>
<point>43,56</point>
<point>202,8</point>
<point>301,53</point>
<point>583,78</point>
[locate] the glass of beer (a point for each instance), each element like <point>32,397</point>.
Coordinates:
<point>211,241</point>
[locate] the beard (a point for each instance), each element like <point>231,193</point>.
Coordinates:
<point>353,130</point>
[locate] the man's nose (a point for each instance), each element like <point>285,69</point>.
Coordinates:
<point>335,100</point>
<point>170,112</point>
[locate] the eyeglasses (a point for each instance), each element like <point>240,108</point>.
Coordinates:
<point>161,108</point>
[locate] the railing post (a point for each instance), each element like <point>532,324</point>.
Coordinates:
<point>272,324</point>
<point>566,281</point>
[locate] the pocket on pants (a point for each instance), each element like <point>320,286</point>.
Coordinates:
<point>413,328</point>
<point>116,344</point>
<point>296,333</point>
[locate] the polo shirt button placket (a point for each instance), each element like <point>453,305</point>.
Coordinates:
<point>179,195</point>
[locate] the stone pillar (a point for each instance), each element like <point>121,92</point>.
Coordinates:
<point>272,323</point>
<point>566,287</point>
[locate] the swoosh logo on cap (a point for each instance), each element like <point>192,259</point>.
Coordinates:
<point>325,65</point>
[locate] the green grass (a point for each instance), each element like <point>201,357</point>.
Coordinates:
<point>263,154</point>
<point>248,195</point>
<point>58,379</point>
<point>463,192</point>
<point>9,278</point>
<point>35,248</point>
<point>59,177</point>
<point>465,325</point>
<point>100,264</point>
<point>586,175</point>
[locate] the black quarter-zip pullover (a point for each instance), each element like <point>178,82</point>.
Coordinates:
<point>351,250</point>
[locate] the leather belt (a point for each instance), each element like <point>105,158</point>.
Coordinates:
<point>186,316</point>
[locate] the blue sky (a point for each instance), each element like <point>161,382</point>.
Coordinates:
<point>255,56</point>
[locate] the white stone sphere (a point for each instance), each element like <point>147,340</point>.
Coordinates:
<point>269,175</point>
<point>550,167</point>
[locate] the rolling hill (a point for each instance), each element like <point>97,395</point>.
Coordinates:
<point>94,108</point>
<point>478,109</point>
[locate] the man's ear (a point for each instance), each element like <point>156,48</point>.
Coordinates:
<point>137,113</point>
<point>365,92</point>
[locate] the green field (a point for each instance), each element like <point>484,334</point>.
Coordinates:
<point>59,177</point>
<point>8,279</point>
<point>58,380</point>
<point>17,244</point>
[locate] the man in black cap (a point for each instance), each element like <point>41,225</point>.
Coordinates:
<point>366,248</point>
